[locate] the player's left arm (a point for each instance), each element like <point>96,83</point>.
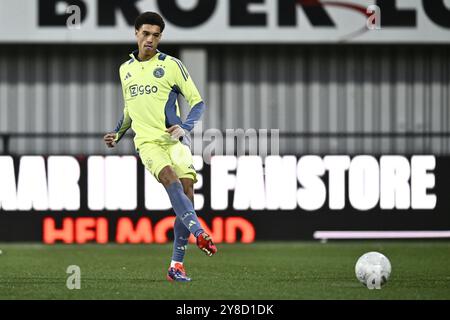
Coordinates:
<point>190,92</point>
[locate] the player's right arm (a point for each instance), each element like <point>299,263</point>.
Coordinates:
<point>112,138</point>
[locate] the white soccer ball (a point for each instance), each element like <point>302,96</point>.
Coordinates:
<point>373,269</point>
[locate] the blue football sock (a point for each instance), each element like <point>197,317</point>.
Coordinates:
<point>181,236</point>
<point>184,208</point>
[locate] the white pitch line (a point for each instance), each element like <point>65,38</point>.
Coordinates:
<point>380,234</point>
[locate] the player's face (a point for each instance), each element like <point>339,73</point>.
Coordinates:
<point>148,38</point>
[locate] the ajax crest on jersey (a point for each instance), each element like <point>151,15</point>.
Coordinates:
<point>159,72</point>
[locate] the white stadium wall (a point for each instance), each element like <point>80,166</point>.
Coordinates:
<point>336,89</point>
<point>368,89</point>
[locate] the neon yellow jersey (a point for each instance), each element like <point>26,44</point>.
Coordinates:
<point>150,90</point>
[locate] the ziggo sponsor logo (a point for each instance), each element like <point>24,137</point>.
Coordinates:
<point>136,90</point>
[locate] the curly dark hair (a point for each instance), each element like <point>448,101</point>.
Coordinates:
<point>149,18</point>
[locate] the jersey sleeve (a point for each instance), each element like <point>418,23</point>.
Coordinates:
<point>190,92</point>
<point>123,125</point>
<point>125,121</point>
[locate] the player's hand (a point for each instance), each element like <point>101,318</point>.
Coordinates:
<point>109,140</point>
<point>176,132</point>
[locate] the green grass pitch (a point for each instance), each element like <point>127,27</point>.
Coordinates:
<point>264,270</point>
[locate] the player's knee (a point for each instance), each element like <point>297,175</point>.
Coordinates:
<point>167,176</point>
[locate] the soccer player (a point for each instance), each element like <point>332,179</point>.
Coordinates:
<point>151,82</point>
